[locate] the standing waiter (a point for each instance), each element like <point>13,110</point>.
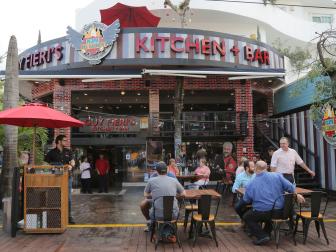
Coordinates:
<point>284,159</point>
<point>62,156</point>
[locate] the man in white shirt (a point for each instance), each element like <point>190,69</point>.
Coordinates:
<point>284,159</point>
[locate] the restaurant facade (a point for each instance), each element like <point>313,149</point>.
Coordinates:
<point>122,81</point>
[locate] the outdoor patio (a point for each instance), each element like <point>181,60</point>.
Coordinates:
<point>113,222</point>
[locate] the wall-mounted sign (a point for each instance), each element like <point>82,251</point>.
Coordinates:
<point>198,46</point>
<point>95,41</point>
<point>41,57</point>
<point>143,47</point>
<point>111,124</point>
<point>329,124</point>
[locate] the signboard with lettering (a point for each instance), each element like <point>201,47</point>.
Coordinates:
<point>143,47</point>
<point>115,124</point>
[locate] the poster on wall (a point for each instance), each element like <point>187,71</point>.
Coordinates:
<point>328,126</point>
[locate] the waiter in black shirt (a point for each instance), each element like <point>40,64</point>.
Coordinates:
<point>62,156</point>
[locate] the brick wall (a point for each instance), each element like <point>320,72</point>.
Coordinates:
<point>244,102</point>
<point>243,93</point>
<point>62,102</point>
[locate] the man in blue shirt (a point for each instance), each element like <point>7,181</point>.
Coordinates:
<point>242,180</point>
<point>265,189</point>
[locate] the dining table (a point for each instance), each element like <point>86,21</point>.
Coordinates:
<point>299,190</point>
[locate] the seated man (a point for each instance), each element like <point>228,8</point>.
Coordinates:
<point>242,181</point>
<point>262,192</point>
<point>245,177</point>
<point>159,186</point>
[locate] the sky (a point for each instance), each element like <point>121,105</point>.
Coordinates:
<point>24,18</point>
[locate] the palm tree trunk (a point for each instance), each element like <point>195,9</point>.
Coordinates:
<point>178,107</point>
<point>11,99</point>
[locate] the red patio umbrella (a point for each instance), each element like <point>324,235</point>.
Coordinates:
<point>37,115</point>
<point>129,16</point>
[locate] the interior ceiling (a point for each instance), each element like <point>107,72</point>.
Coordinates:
<point>141,97</point>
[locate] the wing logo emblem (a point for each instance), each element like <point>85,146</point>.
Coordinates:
<point>95,41</point>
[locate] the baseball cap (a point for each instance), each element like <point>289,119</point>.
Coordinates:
<point>161,167</point>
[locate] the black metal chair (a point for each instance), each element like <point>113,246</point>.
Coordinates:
<point>168,204</point>
<point>313,213</point>
<point>288,210</point>
<point>204,217</point>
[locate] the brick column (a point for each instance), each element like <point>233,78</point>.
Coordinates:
<point>154,101</point>
<point>154,109</point>
<point>244,102</point>
<point>62,102</point>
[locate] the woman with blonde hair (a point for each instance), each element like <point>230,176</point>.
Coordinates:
<point>240,168</point>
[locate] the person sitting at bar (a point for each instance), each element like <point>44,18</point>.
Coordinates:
<point>242,181</point>
<point>159,186</point>
<point>203,174</point>
<point>172,168</point>
<point>265,189</point>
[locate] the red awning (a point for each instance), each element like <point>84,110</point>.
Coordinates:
<point>129,16</point>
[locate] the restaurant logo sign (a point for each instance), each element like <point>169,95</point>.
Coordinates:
<point>329,124</point>
<point>95,40</point>
<point>41,57</point>
<point>118,124</point>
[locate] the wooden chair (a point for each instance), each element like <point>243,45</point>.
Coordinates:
<point>287,215</point>
<point>168,204</point>
<point>189,209</point>
<point>204,217</point>
<point>314,214</point>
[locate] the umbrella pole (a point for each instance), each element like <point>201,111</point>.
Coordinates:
<point>34,136</point>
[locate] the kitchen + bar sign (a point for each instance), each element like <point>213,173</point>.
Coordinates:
<point>204,46</point>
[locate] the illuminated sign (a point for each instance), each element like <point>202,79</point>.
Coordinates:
<point>111,124</point>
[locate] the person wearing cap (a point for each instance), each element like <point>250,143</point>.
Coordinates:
<point>161,185</point>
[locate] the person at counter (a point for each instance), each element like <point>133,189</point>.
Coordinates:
<point>62,156</point>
